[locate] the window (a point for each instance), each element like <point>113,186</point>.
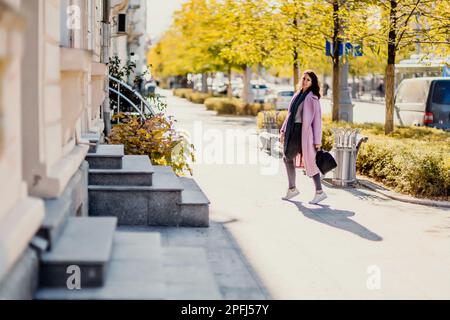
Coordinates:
<point>259,86</point>
<point>441,92</point>
<point>121,25</point>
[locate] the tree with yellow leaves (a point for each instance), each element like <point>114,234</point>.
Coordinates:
<point>406,23</point>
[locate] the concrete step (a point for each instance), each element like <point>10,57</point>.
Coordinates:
<point>136,171</point>
<point>188,274</point>
<point>108,156</point>
<point>194,205</point>
<point>72,202</point>
<point>140,205</point>
<point>57,212</point>
<point>93,138</point>
<point>135,272</point>
<point>85,243</point>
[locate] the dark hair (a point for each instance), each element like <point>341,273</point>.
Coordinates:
<point>315,86</point>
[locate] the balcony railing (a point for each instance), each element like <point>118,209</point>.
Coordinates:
<point>125,99</point>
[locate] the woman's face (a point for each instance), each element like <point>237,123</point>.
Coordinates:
<point>306,81</point>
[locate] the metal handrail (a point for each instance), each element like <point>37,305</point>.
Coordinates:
<point>137,94</point>
<point>129,101</point>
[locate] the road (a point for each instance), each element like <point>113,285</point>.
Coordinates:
<point>362,111</point>
<point>357,245</point>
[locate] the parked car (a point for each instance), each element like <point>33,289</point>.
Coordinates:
<point>259,91</point>
<point>283,99</point>
<point>150,87</point>
<point>423,102</point>
<point>219,88</point>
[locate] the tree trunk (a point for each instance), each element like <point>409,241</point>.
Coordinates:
<point>335,57</point>
<point>229,89</point>
<point>295,66</point>
<point>247,95</point>
<point>210,86</point>
<point>389,124</point>
<point>204,82</point>
<point>296,69</point>
<point>390,69</point>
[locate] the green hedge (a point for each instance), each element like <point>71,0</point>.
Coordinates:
<point>234,106</point>
<point>182,92</point>
<point>198,97</point>
<point>410,167</point>
<point>191,95</point>
<point>411,160</point>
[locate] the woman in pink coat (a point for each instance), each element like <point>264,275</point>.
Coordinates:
<point>301,135</point>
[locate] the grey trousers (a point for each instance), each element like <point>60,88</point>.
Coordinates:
<point>293,148</point>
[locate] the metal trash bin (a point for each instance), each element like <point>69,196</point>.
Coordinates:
<point>269,133</point>
<point>345,150</point>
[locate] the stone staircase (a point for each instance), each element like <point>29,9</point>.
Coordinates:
<point>130,188</point>
<point>117,264</point>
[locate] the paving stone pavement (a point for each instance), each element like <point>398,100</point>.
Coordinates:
<point>233,275</point>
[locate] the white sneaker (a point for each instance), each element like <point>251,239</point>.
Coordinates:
<point>291,193</point>
<point>318,197</point>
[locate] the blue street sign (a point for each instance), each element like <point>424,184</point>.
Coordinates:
<point>350,49</point>
<point>327,48</point>
<point>357,50</point>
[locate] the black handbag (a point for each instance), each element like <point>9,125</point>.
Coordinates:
<point>325,161</point>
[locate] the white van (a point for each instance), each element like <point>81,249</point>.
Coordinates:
<point>423,102</point>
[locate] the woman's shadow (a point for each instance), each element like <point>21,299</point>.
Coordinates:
<point>337,219</point>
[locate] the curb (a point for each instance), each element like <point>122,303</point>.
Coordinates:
<point>396,196</point>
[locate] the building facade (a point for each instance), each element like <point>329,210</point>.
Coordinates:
<point>52,86</point>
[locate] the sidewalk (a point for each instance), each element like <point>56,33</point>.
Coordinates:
<point>232,273</point>
<point>330,251</point>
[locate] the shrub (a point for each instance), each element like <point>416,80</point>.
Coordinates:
<point>210,103</point>
<point>228,106</point>
<point>157,138</point>
<point>254,108</point>
<point>182,92</point>
<point>225,105</point>
<point>406,166</point>
<point>197,97</point>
